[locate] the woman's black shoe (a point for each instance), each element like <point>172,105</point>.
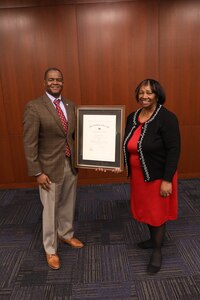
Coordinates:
<point>155,262</point>
<point>153,269</point>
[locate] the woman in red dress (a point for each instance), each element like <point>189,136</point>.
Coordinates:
<point>152,150</point>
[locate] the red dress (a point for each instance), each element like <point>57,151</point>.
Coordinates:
<point>147,205</point>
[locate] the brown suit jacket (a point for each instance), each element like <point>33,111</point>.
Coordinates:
<point>45,139</point>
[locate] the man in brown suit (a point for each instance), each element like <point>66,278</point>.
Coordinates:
<point>49,150</point>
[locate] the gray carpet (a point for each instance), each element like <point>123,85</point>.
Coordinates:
<point>110,266</point>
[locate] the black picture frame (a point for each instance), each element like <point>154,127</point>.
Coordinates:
<point>109,123</point>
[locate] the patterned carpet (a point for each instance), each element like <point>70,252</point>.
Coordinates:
<point>110,266</point>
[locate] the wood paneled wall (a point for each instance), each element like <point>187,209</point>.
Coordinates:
<point>180,72</point>
<point>105,48</point>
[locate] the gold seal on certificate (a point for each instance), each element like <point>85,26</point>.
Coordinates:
<point>99,136</point>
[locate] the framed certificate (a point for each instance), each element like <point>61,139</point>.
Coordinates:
<point>99,136</point>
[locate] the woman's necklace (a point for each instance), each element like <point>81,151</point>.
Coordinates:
<point>146,114</point>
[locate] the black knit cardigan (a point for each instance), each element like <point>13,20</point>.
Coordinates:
<point>158,145</point>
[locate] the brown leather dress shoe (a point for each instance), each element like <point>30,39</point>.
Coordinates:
<point>53,261</point>
<point>73,242</point>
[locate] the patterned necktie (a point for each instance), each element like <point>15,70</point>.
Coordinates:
<point>64,123</point>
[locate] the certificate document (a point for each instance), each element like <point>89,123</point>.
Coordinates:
<point>99,136</point>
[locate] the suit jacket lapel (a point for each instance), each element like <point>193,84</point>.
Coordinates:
<point>68,110</point>
<point>49,105</point>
